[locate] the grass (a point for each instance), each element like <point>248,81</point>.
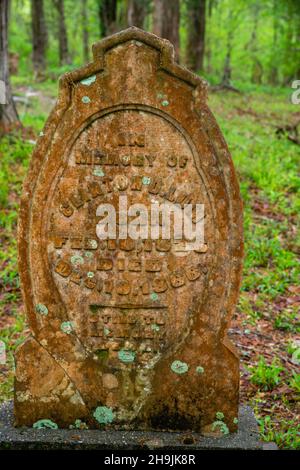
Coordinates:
<point>265,376</point>
<point>268,170</point>
<point>267,323</point>
<point>287,438</point>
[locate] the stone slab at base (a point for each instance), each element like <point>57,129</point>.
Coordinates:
<point>247,437</point>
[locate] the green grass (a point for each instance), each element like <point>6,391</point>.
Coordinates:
<point>269,169</point>
<point>295,382</point>
<point>266,376</point>
<point>288,321</point>
<point>287,437</point>
<point>48,87</point>
<point>14,154</point>
<point>263,161</point>
<point>12,336</point>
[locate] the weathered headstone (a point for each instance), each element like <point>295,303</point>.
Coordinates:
<point>129,333</point>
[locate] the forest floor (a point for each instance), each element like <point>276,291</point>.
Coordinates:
<point>266,325</point>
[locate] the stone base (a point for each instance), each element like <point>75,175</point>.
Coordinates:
<point>247,437</point>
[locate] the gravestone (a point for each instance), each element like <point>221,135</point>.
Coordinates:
<point>129,333</point>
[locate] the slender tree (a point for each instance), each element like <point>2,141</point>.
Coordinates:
<point>107,17</point>
<point>232,21</point>
<point>293,12</point>
<point>196,34</point>
<point>166,18</point>
<point>8,112</point>
<point>298,41</point>
<point>257,68</point>
<point>227,71</point>
<point>273,73</point>
<point>64,57</point>
<point>208,37</point>
<point>136,12</point>
<point>85,31</point>
<point>39,36</point>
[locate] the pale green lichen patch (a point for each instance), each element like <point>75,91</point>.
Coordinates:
<point>222,427</point>
<point>98,172</point>
<point>146,180</point>
<point>155,327</point>
<point>88,254</point>
<point>89,80</point>
<point>153,296</point>
<point>200,370</point>
<point>85,99</point>
<point>219,415</point>
<point>77,259</point>
<point>45,423</point>
<point>66,327</point>
<point>106,331</point>
<point>235,421</point>
<point>127,356</point>
<point>93,244</point>
<point>104,415</point>
<point>179,367</point>
<point>42,309</point>
<point>90,274</point>
<point>165,102</point>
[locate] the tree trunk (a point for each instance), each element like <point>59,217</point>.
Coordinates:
<point>298,49</point>
<point>273,73</point>
<point>8,112</point>
<point>257,68</point>
<point>39,36</point>
<point>226,79</point>
<point>136,12</point>
<point>108,17</point>
<point>196,34</point>
<point>208,38</point>
<point>64,57</point>
<point>85,32</point>
<point>166,18</point>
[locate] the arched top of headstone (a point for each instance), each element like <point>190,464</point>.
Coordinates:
<point>137,36</point>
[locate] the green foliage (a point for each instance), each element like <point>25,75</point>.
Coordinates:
<point>12,336</point>
<point>20,34</point>
<point>14,153</point>
<point>295,382</point>
<point>252,310</point>
<point>292,348</point>
<point>286,436</point>
<point>268,169</point>
<point>288,321</point>
<point>265,376</point>
<point>261,36</point>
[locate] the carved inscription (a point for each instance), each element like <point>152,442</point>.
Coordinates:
<point>128,284</point>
